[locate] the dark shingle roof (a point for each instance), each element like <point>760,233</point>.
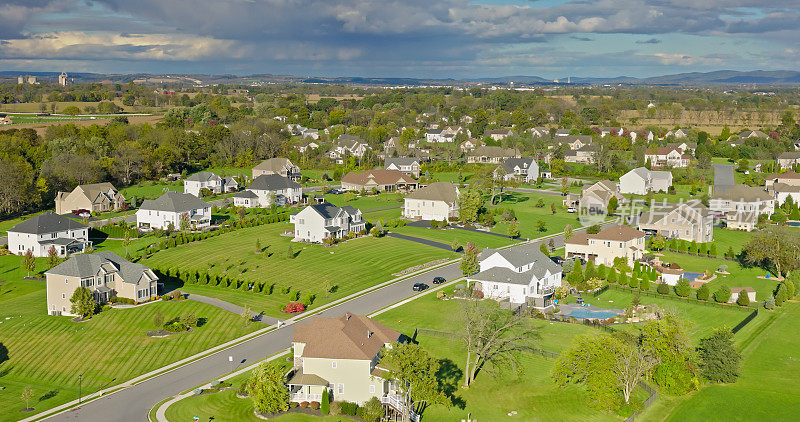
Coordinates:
<point>87,265</point>
<point>48,222</point>
<point>203,176</point>
<point>518,257</point>
<point>174,202</point>
<point>272,182</point>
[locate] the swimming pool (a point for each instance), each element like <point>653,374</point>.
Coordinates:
<point>584,313</point>
<point>691,276</point>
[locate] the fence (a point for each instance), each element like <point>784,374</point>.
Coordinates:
<point>653,396</point>
<point>745,321</point>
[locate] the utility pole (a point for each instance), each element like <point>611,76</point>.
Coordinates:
<point>80,383</point>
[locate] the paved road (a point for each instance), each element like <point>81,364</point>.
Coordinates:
<point>230,307</point>
<point>134,403</point>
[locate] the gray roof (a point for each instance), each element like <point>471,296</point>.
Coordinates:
<point>48,222</point>
<point>87,265</point>
<point>524,255</point>
<point>723,176</point>
<point>272,182</point>
<point>174,202</point>
<point>245,194</point>
<point>510,163</point>
<point>400,161</point>
<point>743,193</point>
<point>203,176</point>
<point>328,210</point>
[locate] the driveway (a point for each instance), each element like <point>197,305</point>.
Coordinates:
<point>230,307</point>
<point>134,403</point>
<point>422,241</point>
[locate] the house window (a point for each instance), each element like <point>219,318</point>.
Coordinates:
<point>372,389</point>
<point>340,390</point>
<point>63,295</point>
<point>333,365</point>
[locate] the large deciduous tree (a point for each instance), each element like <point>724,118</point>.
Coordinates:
<point>719,359</point>
<point>775,247</point>
<point>469,262</point>
<point>266,388</point>
<point>414,370</point>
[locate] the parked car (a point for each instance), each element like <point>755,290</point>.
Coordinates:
<point>438,280</point>
<point>572,209</point>
<point>557,259</point>
<point>82,213</point>
<point>418,287</point>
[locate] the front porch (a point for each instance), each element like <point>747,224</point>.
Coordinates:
<point>305,387</point>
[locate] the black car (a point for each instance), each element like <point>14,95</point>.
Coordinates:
<point>438,280</point>
<point>418,287</point>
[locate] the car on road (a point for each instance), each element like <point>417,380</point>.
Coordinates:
<point>438,280</point>
<point>418,287</point>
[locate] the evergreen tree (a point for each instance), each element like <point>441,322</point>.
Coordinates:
<point>683,288</point>
<point>662,289</point>
<point>719,359</point>
<point>723,294</point>
<point>469,262</point>
<point>743,299</point>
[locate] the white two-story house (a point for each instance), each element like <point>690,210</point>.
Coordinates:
<point>406,165</point>
<point>437,201</point>
<point>522,169</point>
<point>342,355</point>
<point>317,222</point>
<point>520,275</point>
<point>170,209</point>
<point>195,183</point>
<point>268,188</point>
<point>49,230</point>
<point>612,242</point>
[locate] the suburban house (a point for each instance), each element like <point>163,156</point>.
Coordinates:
<point>595,198</point>
<point>407,165</point>
<point>488,154</point>
<point>522,275</point>
<point>615,131</point>
<point>562,132</point>
<point>167,211</point>
<point>539,131</point>
<point>380,179</point>
<point>195,183</point>
<point>498,134</point>
<point>752,134</point>
<point>582,155</point>
<point>347,145</point>
<point>787,160</point>
<point>684,146</point>
<point>317,222</point>
<point>437,201</point>
<point>667,157</point>
<point>788,178</point>
<point>49,230</point>
<point>105,274</point>
<point>741,205</point>
<point>640,181</point>
<point>342,355</point>
<point>448,134</point>
<point>95,197</point>
<point>677,133</point>
<point>470,145</point>
<point>278,165</point>
<point>690,221</point>
<point>266,188</point>
<point>783,191</point>
<point>522,169</point>
<point>305,145</point>
<point>612,242</point>
<point>644,134</point>
<point>736,291</point>
<point>574,142</point>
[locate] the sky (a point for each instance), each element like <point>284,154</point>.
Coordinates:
<point>400,38</point>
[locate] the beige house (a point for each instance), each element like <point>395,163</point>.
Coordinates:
<point>790,178</point>
<point>736,291</point>
<point>438,201</point>
<point>595,198</point>
<point>690,221</point>
<point>582,155</point>
<point>342,355</point>
<point>668,157</point>
<point>105,274</point>
<point>640,181</point>
<point>741,205</point>
<point>612,242</point>
<point>495,155</point>
<point>786,160</point>
<point>277,165</point>
<point>95,197</point>
<point>380,179</point>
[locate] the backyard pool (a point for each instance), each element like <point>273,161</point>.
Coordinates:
<point>691,276</point>
<point>587,313</point>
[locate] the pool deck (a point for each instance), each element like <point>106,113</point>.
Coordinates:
<point>566,309</point>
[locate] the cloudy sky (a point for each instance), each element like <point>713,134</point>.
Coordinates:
<point>400,38</point>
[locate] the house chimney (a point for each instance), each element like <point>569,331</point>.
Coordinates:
<point>347,316</point>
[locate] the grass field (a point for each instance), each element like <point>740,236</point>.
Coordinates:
<point>47,353</point>
<point>446,236</point>
<point>524,206</point>
<point>351,266</point>
<point>150,190</point>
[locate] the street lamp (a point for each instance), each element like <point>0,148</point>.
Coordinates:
<point>80,383</point>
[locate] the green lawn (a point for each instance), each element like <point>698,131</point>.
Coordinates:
<point>766,388</point>
<point>231,171</point>
<point>150,190</point>
<point>7,224</point>
<point>450,176</point>
<point>351,266</point>
<point>528,214</point>
<point>446,236</point>
<point>47,353</point>
<point>374,207</point>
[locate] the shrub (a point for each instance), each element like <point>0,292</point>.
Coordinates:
<point>325,406</point>
<point>703,293</point>
<point>644,285</point>
<point>175,327</point>
<point>769,303</point>
<point>477,294</point>
<point>303,404</point>
<point>663,289</point>
<point>781,294</point>
<point>743,299</point>
<point>314,405</point>
<point>348,408</point>
<point>633,282</point>
<point>176,294</point>
<point>294,307</point>
<point>683,288</point>
<point>189,320</point>
<point>336,408</point>
<point>723,294</point>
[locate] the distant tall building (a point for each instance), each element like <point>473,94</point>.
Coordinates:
<point>62,79</point>
<point>21,79</point>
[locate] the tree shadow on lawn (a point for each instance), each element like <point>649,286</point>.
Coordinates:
<point>514,198</point>
<point>49,395</point>
<point>449,376</point>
